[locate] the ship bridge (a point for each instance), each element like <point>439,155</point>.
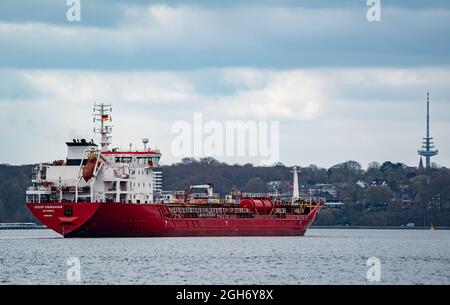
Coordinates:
<point>146,158</point>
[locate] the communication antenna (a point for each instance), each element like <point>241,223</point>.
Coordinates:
<point>102,114</point>
<point>428,150</point>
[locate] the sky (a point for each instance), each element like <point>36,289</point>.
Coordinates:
<point>341,87</point>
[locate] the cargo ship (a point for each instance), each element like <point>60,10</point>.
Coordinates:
<point>98,191</point>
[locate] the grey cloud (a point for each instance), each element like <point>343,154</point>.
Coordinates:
<point>348,126</point>
<point>14,85</point>
<point>278,37</point>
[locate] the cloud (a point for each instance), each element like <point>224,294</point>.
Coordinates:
<point>324,115</point>
<point>296,95</point>
<point>128,87</point>
<point>341,87</point>
<point>103,13</point>
<point>161,36</point>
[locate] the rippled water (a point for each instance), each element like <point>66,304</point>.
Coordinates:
<point>323,256</point>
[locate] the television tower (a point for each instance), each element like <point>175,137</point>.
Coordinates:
<point>428,149</point>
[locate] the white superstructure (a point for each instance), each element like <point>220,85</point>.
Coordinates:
<point>92,174</point>
<point>157,182</point>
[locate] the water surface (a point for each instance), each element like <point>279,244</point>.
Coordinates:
<point>323,256</point>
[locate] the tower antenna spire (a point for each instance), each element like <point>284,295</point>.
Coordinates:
<point>428,149</point>
<point>428,114</point>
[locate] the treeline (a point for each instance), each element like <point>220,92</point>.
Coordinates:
<point>224,177</point>
<point>383,194</point>
<point>13,182</point>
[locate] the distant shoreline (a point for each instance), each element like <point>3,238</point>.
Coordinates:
<point>21,226</point>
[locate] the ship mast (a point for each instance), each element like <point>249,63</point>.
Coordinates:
<point>102,114</point>
<point>295,189</point>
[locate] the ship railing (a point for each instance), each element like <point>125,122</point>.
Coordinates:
<point>235,194</point>
<point>201,195</point>
<point>255,195</point>
<point>280,210</point>
<point>296,216</point>
<point>312,199</point>
<point>300,200</point>
<point>234,215</point>
<point>198,201</point>
<point>169,192</point>
<point>149,150</point>
<point>32,199</point>
<point>38,188</point>
<point>208,209</point>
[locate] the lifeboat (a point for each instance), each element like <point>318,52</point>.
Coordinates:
<point>88,169</point>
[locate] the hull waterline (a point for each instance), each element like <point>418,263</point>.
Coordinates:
<point>111,219</point>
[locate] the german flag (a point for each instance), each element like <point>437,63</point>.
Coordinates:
<point>105,117</point>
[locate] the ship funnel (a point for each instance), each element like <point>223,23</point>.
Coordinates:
<point>295,189</point>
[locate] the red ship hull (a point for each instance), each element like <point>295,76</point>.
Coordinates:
<point>111,219</point>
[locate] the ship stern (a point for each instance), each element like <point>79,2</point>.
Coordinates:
<point>62,217</point>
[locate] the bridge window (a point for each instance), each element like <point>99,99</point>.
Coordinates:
<point>141,160</point>
<point>123,159</point>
